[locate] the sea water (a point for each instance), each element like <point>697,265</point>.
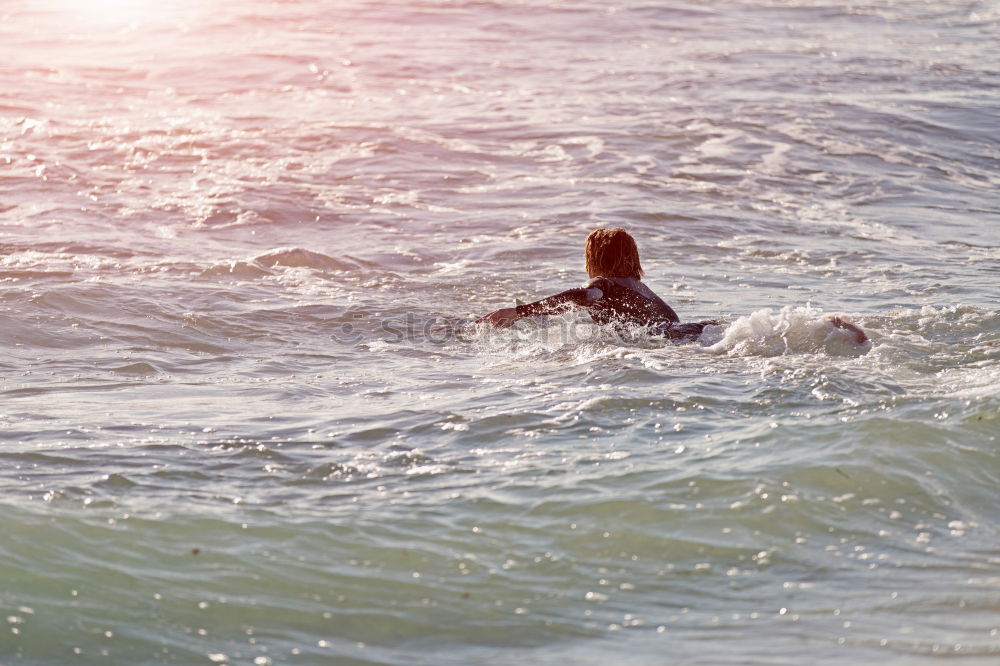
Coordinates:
<point>247,417</point>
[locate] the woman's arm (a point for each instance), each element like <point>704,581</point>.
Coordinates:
<point>505,317</point>
<point>840,322</point>
<point>502,318</point>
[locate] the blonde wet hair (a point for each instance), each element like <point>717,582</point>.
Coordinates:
<point>612,253</point>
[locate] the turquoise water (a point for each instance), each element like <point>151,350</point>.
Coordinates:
<point>246,417</point>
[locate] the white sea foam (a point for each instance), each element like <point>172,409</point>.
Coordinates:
<point>790,330</point>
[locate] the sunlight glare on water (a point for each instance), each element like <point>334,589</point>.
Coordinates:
<point>80,21</point>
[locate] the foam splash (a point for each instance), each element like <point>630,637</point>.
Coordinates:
<point>566,336</point>
<point>791,330</point>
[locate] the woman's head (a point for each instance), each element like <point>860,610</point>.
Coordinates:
<point>612,253</point>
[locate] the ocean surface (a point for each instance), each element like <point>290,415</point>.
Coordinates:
<point>246,416</point>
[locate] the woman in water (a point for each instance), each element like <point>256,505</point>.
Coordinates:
<point>616,295</point>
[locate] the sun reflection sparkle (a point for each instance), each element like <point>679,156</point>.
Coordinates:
<point>115,14</point>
